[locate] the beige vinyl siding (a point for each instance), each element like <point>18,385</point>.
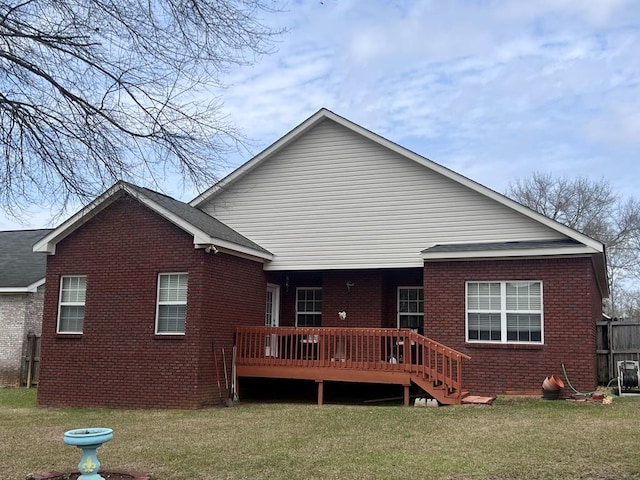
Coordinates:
<point>335,199</point>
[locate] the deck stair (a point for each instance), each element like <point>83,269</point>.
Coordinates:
<point>436,369</point>
<point>368,355</point>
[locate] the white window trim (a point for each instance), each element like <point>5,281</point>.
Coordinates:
<point>306,313</point>
<point>158,303</point>
<point>503,312</point>
<point>69,304</point>
<point>398,313</point>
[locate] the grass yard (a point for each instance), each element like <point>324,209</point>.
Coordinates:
<point>514,438</point>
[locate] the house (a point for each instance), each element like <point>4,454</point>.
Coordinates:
<point>333,255</point>
<point>22,274</point>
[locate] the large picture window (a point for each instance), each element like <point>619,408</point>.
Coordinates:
<point>73,290</point>
<point>504,312</point>
<point>411,308</point>
<point>309,307</point>
<point>172,303</point>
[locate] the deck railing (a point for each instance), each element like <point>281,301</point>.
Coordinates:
<point>364,349</point>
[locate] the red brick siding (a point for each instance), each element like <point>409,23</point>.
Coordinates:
<point>362,301</point>
<point>393,280</point>
<point>370,303</point>
<point>233,293</point>
<point>118,360</point>
<point>288,294</point>
<point>571,305</point>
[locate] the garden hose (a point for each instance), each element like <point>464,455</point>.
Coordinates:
<point>588,394</point>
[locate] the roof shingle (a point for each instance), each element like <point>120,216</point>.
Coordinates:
<point>20,266</point>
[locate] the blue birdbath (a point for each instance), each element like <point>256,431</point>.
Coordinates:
<point>89,440</point>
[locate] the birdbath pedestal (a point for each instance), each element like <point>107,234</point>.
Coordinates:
<point>89,440</point>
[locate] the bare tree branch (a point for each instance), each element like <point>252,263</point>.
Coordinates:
<point>92,91</point>
<point>593,208</point>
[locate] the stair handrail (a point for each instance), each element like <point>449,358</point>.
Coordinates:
<point>430,364</point>
<point>437,363</point>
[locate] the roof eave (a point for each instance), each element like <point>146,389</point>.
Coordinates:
<point>598,258</point>
<point>600,269</point>
<point>48,243</point>
<point>28,289</point>
<point>327,114</point>
<point>509,253</point>
<point>266,153</point>
<point>201,239</point>
<point>234,249</point>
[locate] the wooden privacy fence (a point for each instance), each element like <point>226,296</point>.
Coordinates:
<point>31,361</point>
<point>616,340</point>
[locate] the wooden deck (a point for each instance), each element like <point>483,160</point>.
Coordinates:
<point>374,355</point>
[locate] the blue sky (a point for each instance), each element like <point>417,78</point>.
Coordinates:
<point>493,89</point>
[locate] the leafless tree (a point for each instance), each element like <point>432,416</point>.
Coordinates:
<point>595,209</point>
<point>629,305</point>
<point>92,91</point>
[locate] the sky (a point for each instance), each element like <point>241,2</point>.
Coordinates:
<point>492,89</point>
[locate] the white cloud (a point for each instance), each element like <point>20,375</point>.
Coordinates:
<point>493,89</point>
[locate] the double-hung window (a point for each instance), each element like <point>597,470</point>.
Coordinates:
<point>411,308</point>
<point>504,312</point>
<point>73,290</point>
<point>172,303</point>
<point>308,307</point>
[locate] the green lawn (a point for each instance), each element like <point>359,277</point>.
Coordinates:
<point>514,438</point>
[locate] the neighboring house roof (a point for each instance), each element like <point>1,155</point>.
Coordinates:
<point>21,269</point>
<point>207,231</point>
<point>331,194</point>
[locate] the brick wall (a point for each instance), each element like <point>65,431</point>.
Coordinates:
<point>571,306</point>
<point>34,306</point>
<point>233,293</point>
<point>13,308</point>
<point>20,313</point>
<point>118,361</point>
<point>369,303</point>
<point>288,294</point>
<point>363,301</point>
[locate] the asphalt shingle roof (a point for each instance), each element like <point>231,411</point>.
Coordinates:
<point>198,218</point>
<point>20,266</point>
<point>497,246</point>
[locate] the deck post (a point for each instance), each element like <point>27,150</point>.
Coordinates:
<point>320,392</point>
<point>371,355</point>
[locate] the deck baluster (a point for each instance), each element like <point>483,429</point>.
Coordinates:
<point>351,355</point>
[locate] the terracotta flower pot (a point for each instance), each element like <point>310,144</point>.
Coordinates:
<point>552,383</point>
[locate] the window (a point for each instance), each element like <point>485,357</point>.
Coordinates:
<point>411,308</point>
<point>172,303</point>
<point>73,290</point>
<point>504,312</point>
<point>308,307</point>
